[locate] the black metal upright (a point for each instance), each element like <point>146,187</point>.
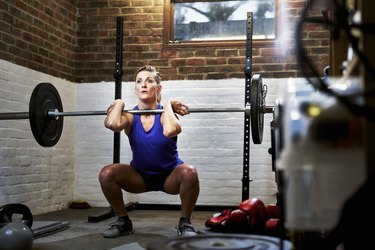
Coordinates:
<point>118,82</point>
<point>247,70</point>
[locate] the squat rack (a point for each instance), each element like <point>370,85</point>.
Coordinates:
<point>247,122</point>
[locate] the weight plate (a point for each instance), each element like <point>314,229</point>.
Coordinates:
<point>7,212</point>
<point>46,130</point>
<point>257,114</point>
<point>219,242</point>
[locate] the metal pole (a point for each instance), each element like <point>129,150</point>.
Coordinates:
<point>118,83</point>
<point>246,146</point>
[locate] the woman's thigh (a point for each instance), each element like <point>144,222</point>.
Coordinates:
<point>173,182</point>
<point>126,177</point>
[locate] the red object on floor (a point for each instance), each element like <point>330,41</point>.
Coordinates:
<point>273,211</point>
<point>255,210</point>
<point>217,220</point>
<point>236,219</point>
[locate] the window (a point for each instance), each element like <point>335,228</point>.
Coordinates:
<point>203,22</point>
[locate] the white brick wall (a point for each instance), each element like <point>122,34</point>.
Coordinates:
<point>42,178</point>
<point>46,179</point>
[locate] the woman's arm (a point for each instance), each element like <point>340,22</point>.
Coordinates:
<point>171,123</point>
<point>117,120</point>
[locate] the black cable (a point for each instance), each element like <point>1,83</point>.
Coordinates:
<point>311,74</point>
<point>342,15</point>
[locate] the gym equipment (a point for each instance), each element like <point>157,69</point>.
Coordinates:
<point>16,236</point>
<point>46,131</point>
<point>221,241</point>
<point>256,211</point>
<point>252,217</point>
<point>236,220</point>
<point>218,219</point>
<point>8,214</point>
<point>246,135</point>
<point>79,204</point>
<point>273,225</point>
<point>46,113</point>
<point>45,228</point>
<point>273,211</point>
<point>118,79</point>
<point>230,220</point>
<point>258,95</point>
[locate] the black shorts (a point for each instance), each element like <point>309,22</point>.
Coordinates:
<point>155,182</point>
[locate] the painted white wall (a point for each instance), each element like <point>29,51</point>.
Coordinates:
<point>42,178</point>
<point>46,179</point>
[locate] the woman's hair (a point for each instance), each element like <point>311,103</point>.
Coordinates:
<point>156,75</point>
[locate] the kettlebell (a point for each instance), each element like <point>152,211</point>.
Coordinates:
<point>7,212</point>
<point>16,236</point>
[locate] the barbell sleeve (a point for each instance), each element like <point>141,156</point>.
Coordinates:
<point>14,116</point>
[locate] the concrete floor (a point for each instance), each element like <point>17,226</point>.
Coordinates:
<point>149,226</point>
<point>152,229</point>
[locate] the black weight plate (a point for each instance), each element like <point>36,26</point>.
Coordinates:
<point>257,114</point>
<point>219,242</point>
<point>7,212</point>
<point>46,130</point>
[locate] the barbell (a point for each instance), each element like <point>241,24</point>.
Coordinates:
<point>46,112</point>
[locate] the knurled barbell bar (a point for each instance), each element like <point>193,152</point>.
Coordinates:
<point>46,113</point>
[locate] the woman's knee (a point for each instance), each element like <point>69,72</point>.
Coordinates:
<point>190,173</point>
<point>106,174</point>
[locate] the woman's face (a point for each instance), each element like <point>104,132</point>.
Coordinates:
<point>146,88</point>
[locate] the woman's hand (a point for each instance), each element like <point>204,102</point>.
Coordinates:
<point>115,120</point>
<point>179,108</point>
<point>114,103</point>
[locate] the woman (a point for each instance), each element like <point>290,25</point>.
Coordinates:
<point>155,165</point>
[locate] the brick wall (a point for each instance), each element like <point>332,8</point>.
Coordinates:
<point>77,42</point>
<point>39,35</point>
<point>143,44</point>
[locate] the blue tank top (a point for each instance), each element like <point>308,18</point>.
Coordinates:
<point>153,153</point>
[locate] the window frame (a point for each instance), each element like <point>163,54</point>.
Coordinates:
<point>168,31</point>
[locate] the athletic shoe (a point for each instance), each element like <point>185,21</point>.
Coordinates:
<point>119,228</point>
<point>185,228</point>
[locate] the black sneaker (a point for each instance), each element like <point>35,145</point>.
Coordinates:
<point>185,228</point>
<point>119,228</point>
